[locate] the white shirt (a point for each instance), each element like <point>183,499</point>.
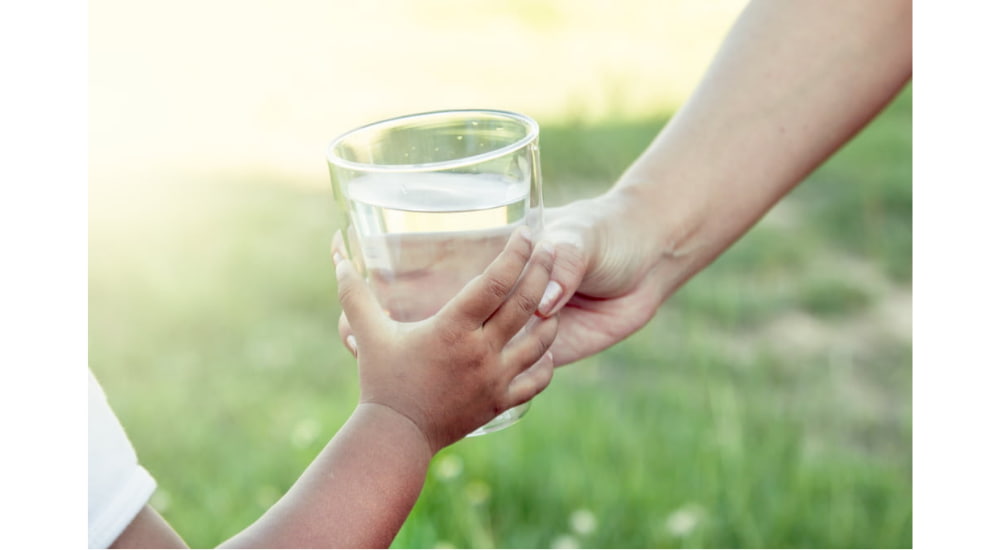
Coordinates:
<point>118,487</point>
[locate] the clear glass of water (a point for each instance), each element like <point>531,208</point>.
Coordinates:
<point>431,199</point>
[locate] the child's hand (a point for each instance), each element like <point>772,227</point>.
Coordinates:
<point>456,370</point>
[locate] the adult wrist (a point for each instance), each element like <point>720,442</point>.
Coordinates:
<point>666,220</point>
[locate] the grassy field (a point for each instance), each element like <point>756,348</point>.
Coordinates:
<point>767,404</point>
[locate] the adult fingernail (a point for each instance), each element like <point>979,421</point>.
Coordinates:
<point>352,344</point>
<point>553,291</point>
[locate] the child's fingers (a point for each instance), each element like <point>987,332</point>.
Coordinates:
<point>361,309</point>
<point>529,346</point>
<point>531,382</point>
<point>484,294</point>
<point>521,305</point>
<point>338,251</point>
<point>337,246</point>
<point>347,334</point>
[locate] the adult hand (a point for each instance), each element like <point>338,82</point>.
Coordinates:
<point>608,279</point>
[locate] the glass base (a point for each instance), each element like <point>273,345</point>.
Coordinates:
<point>502,420</point>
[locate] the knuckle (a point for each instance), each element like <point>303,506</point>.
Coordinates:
<point>570,258</point>
<point>450,335</point>
<point>545,331</point>
<point>545,256</point>
<point>522,254</point>
<point>496,288</point>
<point>549,330</point>
<point>539,346</point>
<point>521,251</point>
<point>525,304</point>
<point>478,355</point>
<point>346,293</point>
<point>571,252</point>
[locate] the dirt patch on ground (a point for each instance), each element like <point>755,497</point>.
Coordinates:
<point>860,363</point>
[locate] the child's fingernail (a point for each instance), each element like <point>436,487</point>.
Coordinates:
<point>337,258</point>
<point>352,344</point>
<point>553,291</point>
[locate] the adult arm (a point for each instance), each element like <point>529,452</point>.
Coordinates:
<point>792,82</point>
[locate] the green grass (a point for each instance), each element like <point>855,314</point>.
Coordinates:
<point>767,404</point>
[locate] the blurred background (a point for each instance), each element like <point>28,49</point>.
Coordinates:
<point>767,404</point>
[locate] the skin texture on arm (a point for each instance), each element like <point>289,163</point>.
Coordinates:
<point>424,386</point>
<point>149,530</point>
<point>791,84</point>
<point>355,494</point>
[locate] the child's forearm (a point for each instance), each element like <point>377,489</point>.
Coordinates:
<point>358,491</point>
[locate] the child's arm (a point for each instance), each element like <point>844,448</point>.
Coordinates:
<point>423,386</point>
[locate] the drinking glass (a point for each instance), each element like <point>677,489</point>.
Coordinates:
<point>430,199</point>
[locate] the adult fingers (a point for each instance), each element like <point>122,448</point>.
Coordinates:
<point>566,236</point>
<point>522,303</point>
<point>568,269</point>
<point>477,301</point>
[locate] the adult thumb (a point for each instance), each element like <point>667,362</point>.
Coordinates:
<point>569,267</point>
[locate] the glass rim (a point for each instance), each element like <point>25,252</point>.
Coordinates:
<point>333,158</point>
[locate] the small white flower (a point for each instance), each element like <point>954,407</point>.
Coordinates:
<point>305,433</point>
<point>565,541</point>
<point>683,520</point>
<point>477,492</point>
<point>160,500</point>
<point>448,467</point>
<point>583,522</point>
<point>266,496</point>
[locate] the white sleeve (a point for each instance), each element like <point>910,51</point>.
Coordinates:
<point>118,487</point>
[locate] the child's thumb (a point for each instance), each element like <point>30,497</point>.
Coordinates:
<point>360,306</point>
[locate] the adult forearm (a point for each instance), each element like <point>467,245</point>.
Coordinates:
<point>793,82</point>
<point>356,494</point>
